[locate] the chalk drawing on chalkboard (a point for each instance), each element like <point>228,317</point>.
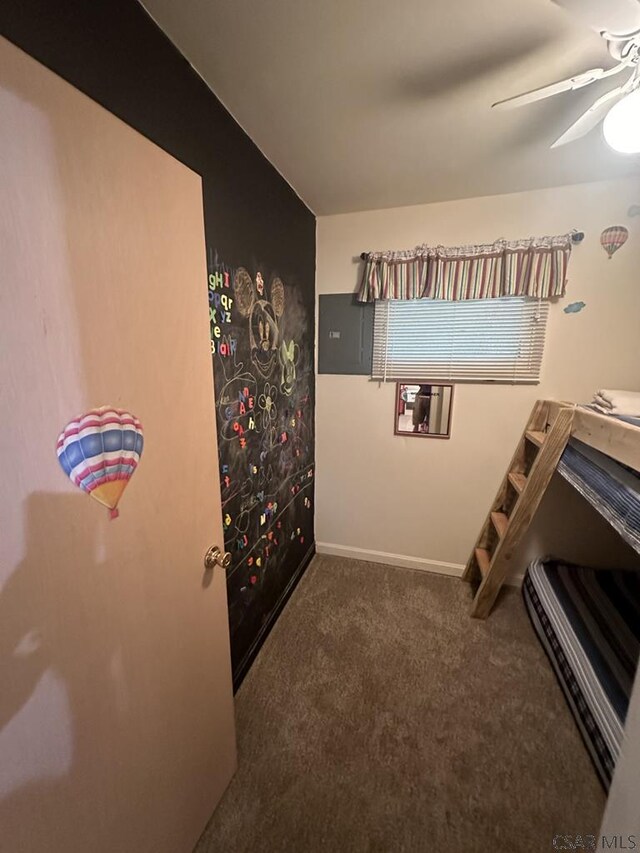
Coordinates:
<point>267,406</point>
<point>264,331</point>
<point>236,406</point>
<point>277,296</point>
<point>288,359</point>
<point>262,347</point>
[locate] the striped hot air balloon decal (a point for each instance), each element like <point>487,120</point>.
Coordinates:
<point>99,452</point>
<point>612,238</point>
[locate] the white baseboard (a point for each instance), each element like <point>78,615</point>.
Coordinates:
<point>403,561</point>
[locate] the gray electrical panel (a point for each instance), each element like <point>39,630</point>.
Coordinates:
<point>345,334</point>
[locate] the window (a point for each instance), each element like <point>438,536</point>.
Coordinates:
<point>499,340</point>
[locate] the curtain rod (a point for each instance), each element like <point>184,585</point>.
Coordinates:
<point>576,237</point>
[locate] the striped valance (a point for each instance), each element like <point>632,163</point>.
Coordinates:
<point>533,267</point>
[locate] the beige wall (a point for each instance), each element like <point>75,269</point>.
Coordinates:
<point>422,501</point>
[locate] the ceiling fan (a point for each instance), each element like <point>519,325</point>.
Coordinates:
<point>618,23</point>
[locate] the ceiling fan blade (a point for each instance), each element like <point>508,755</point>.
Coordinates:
<point>576,82</point>
<point>595,114</point>
<point>617,17</point>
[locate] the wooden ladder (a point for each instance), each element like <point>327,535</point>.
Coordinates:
<point>537,454</point>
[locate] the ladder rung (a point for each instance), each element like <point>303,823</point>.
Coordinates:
<point>535,437</point>
<point>484,561</point>
<point>510,514</point>
<point>518,481</point>
<point>500,522</point>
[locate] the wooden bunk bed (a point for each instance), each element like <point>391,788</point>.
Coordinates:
<point>588,620</point>
<point>552,428</point>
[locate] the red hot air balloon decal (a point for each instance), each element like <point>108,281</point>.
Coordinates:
<point>99,452</point>
<point>612,238</point>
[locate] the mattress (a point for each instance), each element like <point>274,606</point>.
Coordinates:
<point>588,622</point>
<point>611,488</point>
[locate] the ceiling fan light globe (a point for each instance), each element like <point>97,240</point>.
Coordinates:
<point>621,127</point>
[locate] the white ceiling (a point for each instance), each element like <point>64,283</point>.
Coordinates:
<point>364,104</point>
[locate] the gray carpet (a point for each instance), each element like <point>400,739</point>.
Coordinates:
<point>379,717</point>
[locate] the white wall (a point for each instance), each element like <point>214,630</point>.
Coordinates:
<point>420,502</point>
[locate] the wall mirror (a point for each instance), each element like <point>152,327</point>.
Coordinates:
<point>423,410</point>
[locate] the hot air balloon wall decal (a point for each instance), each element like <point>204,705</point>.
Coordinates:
<point>613,238</point>
<point>100,451</point>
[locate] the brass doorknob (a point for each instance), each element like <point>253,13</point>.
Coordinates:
<point>215,557</point>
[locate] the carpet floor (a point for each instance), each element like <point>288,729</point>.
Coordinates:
<point>380,717</point>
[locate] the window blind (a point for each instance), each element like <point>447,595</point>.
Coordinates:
<point>499,340</point>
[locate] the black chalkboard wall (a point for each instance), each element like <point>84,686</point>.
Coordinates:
<point>261,247</point>
<point>262,349</point>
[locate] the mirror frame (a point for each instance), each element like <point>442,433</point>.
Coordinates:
<point>397,403</point>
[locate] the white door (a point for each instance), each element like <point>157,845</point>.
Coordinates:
<point>116,709</point>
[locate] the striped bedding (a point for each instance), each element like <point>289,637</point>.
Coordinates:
<point>588,622</point>
<point>611,488</point>
<point>628,419</point>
